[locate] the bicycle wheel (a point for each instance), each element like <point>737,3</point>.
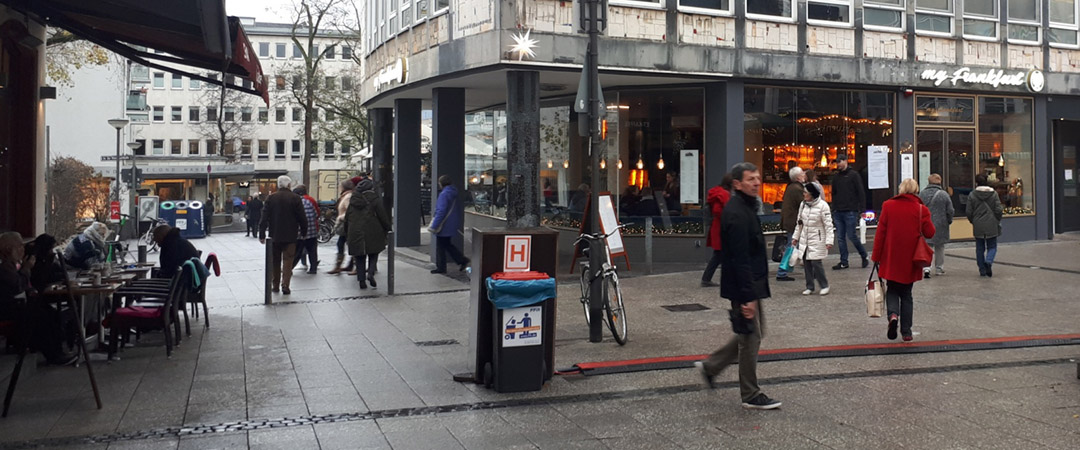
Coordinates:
<point>326,231</point>
<point>585,293</point>
<point>613,307</point>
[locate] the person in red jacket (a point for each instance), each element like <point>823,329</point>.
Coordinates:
<point>718,197</point>
<point>903,219</point>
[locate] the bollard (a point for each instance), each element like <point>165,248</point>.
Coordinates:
<point>648,246</point>
<point>390,263</point>
<point>269,271</point>
<point>142,254</point>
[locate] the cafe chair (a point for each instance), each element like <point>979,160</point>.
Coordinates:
<point>146,308</point>
<point>199,295</point>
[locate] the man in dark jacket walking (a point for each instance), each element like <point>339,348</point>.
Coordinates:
<point>208,214</point>
<point>848,204</point>
<point>789,212</point>
<point>283,214</point>
<point>744,279</point>
<point>254,215</point>
<point>175,250</point>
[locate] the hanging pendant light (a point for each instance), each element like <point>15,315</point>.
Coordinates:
<point>824,160</point>
<point>640,163</point>
<point>603,164</point>
<point>619,164</point>
<point>660,163</point>
<point>551,164</point>
<point>1001,161</point>
<point>566,164</point>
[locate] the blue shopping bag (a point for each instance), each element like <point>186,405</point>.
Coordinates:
<point>785,262</point>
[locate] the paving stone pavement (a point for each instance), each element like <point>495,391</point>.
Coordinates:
<point>334,367</point>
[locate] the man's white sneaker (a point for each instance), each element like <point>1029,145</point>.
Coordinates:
<point>824,291</point>
<point>808,292</point>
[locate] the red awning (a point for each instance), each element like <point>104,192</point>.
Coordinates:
<point>190,32</point>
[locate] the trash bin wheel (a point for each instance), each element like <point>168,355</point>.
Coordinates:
<point>488,376</point>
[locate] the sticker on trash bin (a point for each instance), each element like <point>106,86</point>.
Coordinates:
<point>522,326</point>
<point>181,224</point>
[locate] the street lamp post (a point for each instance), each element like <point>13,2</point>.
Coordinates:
<point>119,124</point>
<point>132,206</point>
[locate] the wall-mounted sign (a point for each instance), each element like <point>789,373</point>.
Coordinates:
<point>991,77</point>
<point>398,72</point>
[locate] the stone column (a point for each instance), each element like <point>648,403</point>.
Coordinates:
<point>407,172</point>
<point>382,153</point>
<point>523,154</point>
<point>448,149</point>
<point>724,143</point>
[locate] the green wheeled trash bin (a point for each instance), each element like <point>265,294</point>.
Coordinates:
<point>521,300</point>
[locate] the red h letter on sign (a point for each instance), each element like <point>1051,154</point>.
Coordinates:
<point>517,256</point>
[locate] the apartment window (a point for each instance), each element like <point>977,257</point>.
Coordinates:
<point>405,13</point>
<point>245,114</point>
<point>422,9</point>
<point>1024,21</point>
<point>297,115</point>
<point>703,6</point>
<point>141,150</point>
<point>443,4</point>
<point>230,80</point>
<point>328,149</point>
<point>159,80</point>
<point>330,51</point>
<point>177,81</point>
<point>176,114</point>
<point>229,113</point>
<point>211,114</point>
<point>193,147</point>
<point>934,17</point>
<point>279,82</point>
<point>295,148</point>
<point>330,117</point>
<point>887,15</point>
<point>297,81</point>
<point>769,9</point>
<point>211,146</point>
<point>1063,23</point>
<point>346,83</point>
<point>279,149</point>
<point>346,52</point>
<point>279,115</point>
<point>346,149</point>
<point>264,49</point>
<point>159,114</point>
<point>279,50</point>
<point>194,84</point>
<point>264,149</point>
<point>193,114</point>
<point>331,83</point>
<point>296,53</point>
<point>159,146</point>
<point>981,19</point>
<point>175,147</point>
<point>829,12</point>
<point>245,148</point>
<point>229,148</point>
<point>264,115</point>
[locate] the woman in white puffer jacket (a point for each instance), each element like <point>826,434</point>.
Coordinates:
<point>814,236</point>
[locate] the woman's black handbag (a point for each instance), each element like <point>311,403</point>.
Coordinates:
<point>778,247</point>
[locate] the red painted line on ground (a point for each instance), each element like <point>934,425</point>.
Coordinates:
<point>663,359</point>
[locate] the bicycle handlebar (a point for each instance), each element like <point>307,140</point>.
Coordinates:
<point>597,237</point>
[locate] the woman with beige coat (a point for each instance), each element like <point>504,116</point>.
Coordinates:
<point>347,187</point>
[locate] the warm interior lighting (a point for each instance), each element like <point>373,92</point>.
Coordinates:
<point>619,164</point>
<point>603,164</point>
<point>824,161</point>
<point>1001,161</point>
<point>551,164</point>
<point>660,163</point>
<point>640,163</point>
<point>566,164</point>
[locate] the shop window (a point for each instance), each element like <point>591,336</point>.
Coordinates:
<point>1024,21</point>
<point>770,9</point>
<point>887,15</point>
<point>1063,23</point>
<point>485,162</point>
<point>934,17</point>
<point>1005,151</point>
<point>981,19</point>
<point>706,6</point>
<point>931,109</point>
<point>810,128</point>
<point>829,12</point>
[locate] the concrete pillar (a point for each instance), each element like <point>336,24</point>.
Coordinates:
<point>448,149</point>
<point>724,123</point>
<point>523,154</point>
<point>407,172</point>
<point>382,153</point>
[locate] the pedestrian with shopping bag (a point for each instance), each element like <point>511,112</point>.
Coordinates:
<point>813,237</point>
<point>789,212</point>
<point>900,253</point>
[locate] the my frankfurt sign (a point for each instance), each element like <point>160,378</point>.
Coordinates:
<point>991,77</point>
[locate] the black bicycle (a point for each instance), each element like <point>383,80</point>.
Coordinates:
<point>612,301</point>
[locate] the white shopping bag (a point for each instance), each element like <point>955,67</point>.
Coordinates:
<point>862,231</point>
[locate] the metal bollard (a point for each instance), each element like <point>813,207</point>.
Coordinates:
<point>390,262</point>
<point>142,254</point>
<point>269,271</point>
<point>648,246</point>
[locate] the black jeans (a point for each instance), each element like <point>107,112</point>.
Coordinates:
<point>253,225</point>
<point>365,266</point>
<point>307,248</point>
<point>898,301</point>
<point>710,268</point>
<point>444,245</point>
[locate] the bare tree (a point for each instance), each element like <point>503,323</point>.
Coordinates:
<point>76,192</point>
<point>332,23</point>
<point>346,117</point>
<point>233,117</point>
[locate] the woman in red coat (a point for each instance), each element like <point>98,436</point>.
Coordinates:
<point>903,219</point>
<point>718,197</point>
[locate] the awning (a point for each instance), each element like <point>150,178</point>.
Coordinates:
<point>190,32</point>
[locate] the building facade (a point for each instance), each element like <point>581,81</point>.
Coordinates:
<point>902,88</point>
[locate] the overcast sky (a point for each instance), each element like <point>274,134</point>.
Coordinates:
<point>279,11</point>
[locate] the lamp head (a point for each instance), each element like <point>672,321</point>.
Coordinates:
<point>118,123</point>
<point>134,145</point>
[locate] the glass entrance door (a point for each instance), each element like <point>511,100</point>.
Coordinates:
<point>1067,197</point>
<point>947,152</point>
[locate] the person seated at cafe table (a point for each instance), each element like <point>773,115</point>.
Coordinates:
<point>88,248</point>
<point>175,250</point>
<point>38,321</point>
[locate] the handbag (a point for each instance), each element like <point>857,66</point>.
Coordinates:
<point>924,255</point>
<point>778,245</point>
<point>785,262</point>
<point>875,295</point>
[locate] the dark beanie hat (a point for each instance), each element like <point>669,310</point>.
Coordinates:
<point>814,191</point>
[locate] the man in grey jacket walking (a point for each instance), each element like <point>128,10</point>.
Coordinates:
<point>941,213</point>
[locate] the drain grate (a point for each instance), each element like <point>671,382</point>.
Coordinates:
<point>686,307</point>
<point>437,343</point>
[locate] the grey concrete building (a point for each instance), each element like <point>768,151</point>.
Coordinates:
<point>903,88</point>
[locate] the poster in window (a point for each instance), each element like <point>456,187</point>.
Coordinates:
<point>689,176</point>
<point>877,165</point>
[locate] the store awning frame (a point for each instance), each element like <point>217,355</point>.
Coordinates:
<point>194,33</point>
